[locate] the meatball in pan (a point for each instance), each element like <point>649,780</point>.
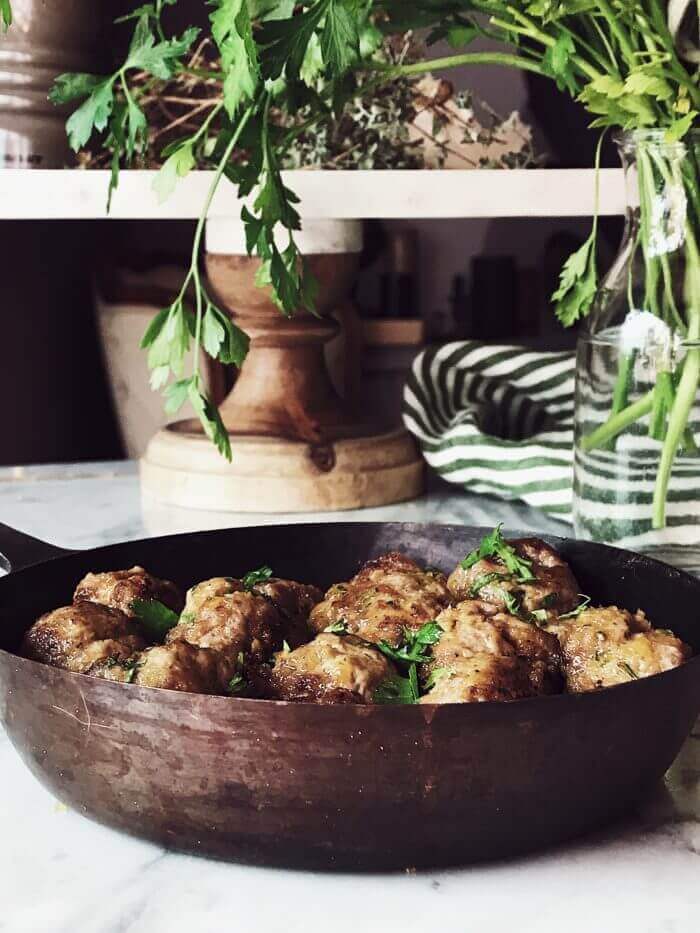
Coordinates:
<point>388,595</point>
<point>78,636</point>
<point>526,573</point>
<point>329,669</point>
<point>119,589</point>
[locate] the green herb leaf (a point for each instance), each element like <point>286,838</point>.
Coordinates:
<point>398,690</point>
<point>210,419</point>
<point>221,338</point>
<point>285,41</point>
<point>67,87</point>
<point>415,645</point>
<point>677,130</point>
<point>495,545</point>
<point>176,394</point>
<point>485,579</point>
<point>337,628</point>
<point>584,604</point>
<point>232,31</point>
<point>5,14</point>
<point>92,114</point>
<point>578,284</point>
<point>156,618</point>
<point>253,577</point>
<point>237,685</point>
<point>157,58</point>
<point>340,39</point>
<point>557,62</point>
<point>178,164</point>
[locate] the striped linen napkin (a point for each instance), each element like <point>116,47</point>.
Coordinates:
<point>497,420</point>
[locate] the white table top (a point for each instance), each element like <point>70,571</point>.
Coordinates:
<point>59,872</point>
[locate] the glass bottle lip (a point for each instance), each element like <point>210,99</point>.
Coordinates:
<point>629,140</point>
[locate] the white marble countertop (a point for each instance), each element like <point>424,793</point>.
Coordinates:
<point>59,872</point>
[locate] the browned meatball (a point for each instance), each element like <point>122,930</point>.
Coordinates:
<point>386,596</point>
<point>481,677</point>
<point>178,666</point>
<point>201,592</point>
<point>607,646</point>
<point>119,588</point>
<point>553,591</point>
<point>76,637</point>
<point>330,669</point>
<point>475,627</point>
<point>294,601</point>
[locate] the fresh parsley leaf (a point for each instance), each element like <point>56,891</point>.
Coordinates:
<point>67,87</point>
<point>585,602</point>
<point>156,618</point>
<point>178,164</point>
<point>578,284</point>
<point>337,628</point>
<point>233,33</point>
<point>512,602</point>
<point>485,579</point>
<point>253,577</point>
<point>495,545</point>
<point>157,58</point>
<point>538,615</point>
<point>221,338</point>
<point>340,39</point>
<point>397,690</point>
<point>210,419</point>
<point>677,130</point>
<point>557,63</point>
<point>236,685</point>
<point>284,42</point>
<point>92,114</point>
<point>176,394</point>
<point>415,645</point>
<point>5,14</point>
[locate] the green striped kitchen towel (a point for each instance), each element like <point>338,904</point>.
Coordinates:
<point>496,419</point>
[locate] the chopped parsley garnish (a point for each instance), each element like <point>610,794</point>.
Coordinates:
<point>253,577</point>
<point>585,602</point>
<point>435,676</point>
<point>538,616</point>
<point>624,666</point>
<point>156,618</point>
<point>512,602</point>
<point>415,647</point>
<point>337,628</point>
<point>237,684</point>
<point>398,690</point>
<point>485,579</point>
<point>495,545</point>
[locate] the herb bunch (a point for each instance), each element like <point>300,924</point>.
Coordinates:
<point>618,58</point>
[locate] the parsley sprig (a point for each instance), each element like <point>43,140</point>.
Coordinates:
<point>156,618</point>
<point>254,577</point>
<point>495,546</point>
<point>415,646</point>
<point>574,613</point>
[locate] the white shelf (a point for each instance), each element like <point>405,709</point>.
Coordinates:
<point>35,194</point>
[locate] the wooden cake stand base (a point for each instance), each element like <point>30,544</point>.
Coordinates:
<point>275,475</point>
<point>297,446</point>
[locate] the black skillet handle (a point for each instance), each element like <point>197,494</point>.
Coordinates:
<point>18,550</point>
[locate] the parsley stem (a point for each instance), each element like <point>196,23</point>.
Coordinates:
<point>617,423</point>
<point>466,58</point>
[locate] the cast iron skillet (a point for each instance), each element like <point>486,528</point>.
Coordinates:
<point>360,787</point>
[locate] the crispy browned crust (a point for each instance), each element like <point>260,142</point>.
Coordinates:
<point>605,646</point>
<point>388,595</point>
<point>119,588</point>
<point>329,669</point>
<point>75,637</point>
<point>177,666</point>
<point>555,588</point>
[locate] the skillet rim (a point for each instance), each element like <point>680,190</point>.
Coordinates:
<point>251,703</point>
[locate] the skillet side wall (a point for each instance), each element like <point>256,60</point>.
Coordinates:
<point>333,787</point>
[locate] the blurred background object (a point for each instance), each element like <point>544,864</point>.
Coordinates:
<point>421,282</point>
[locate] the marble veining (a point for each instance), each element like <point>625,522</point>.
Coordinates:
<point>61,873</point>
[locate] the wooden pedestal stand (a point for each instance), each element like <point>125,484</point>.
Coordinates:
<point>296,445</point>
